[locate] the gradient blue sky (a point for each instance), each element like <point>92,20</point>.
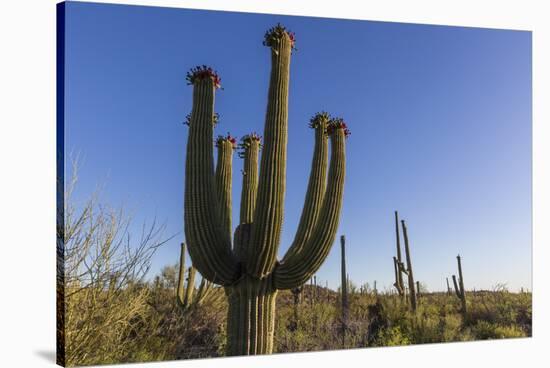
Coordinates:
<point>440,120</point>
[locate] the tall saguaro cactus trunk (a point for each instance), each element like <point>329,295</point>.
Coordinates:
<point>247,265</point>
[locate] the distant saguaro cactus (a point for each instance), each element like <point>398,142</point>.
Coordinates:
<point>185,292</point>
<point>448,287</point>
<point>247,265</point>
<point>459,286</point>
<point>344,289</point>
<point>398,265</point>
<point>297,298</point>
<point>409,272</point>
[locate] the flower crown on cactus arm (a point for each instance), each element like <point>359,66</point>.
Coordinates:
<point>317,119</point>
<point>338,123</point>
<point>202,72</point>
<point>247,140</point>
<point>226,138</point>
<point>274,34</point>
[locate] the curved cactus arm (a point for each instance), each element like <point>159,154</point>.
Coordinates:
<point>316,186</point>
<point>208,246</point>
<point>298,269</point>
<point>180,292</point>
<point>268,216</point>
<point>224,172</point>
<point>398,283</point>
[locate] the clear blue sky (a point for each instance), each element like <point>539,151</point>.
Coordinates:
<point>440,120</point>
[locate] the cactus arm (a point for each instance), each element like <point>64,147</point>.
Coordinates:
<point>181,277</point>
<point>316,186</point>
<point>457,290</point>
<point>299,268</point>
<point>250,150</point>
<point>268,216</point>
<point>207,245</point>
<point>224,168</point>
<point>398,280</point>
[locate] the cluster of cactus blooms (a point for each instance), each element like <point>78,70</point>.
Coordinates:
<point>247,140</point>
<point>226,138</point>
<point>274,34</point>
<point>315,121</point>
<point>201,72</point>
<point>338,123</point>
<point>215,119</point>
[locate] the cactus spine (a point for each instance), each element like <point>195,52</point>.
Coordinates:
<point>412,293</point>
<point>247,265</point>
<point>344,289</point>
<point>459,286</point>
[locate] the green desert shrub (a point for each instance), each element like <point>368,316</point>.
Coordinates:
<point>392,336</point>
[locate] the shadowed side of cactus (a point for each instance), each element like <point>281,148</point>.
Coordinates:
<point>246,265</point>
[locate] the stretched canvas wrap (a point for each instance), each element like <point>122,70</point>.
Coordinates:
<point>241,184</point>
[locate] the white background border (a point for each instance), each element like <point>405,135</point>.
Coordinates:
<point>27,181</point>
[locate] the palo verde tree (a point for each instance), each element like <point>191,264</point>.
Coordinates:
<point>246,265</point>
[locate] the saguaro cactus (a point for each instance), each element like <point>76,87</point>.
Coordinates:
<point>344,290</point>
<point>448,287</point>
<point>409,272</point>
<point>459,286</point>
<point>247,265</point>
<point>398,265</point>
<point>185,292</point>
